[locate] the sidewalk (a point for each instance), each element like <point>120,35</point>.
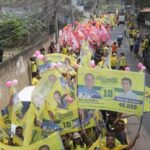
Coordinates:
<point>143,143</point>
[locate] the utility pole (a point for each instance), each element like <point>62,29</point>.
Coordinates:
<point>72,16</point>
<point>56,21</point>
<point>133,6</point>
<point>0,6</point>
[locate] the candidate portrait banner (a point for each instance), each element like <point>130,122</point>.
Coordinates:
<point>44,87</point>
<point>51,59</point>
<point>53,142</point>
<point>61,111</point>
<point>111,90</point>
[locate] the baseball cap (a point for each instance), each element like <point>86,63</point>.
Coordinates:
<point>76,135</point>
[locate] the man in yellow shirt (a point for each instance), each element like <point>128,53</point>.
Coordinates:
<point>122,62</point>
<point>35,79</point>
<point>114,61</point>
<point>110,143</point>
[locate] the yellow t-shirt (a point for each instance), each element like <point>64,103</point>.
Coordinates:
<point>95,145</point>
<point>33,67</point>
<point>134,33</point>
<point>119,147</point>
<point>114,61</point>
<point>122,62</point>
<point>79,147</point>
<point>64,50</point>
<point>125,120</point>
<point>2,124</point>
<point>35,81</point>
<point>103,142</point>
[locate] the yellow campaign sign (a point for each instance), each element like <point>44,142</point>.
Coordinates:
<point>55,58</point>
<point>62,108</point>
<point>147,100</point>
<point>61,111</point>
<point>95,146</point>
<point>111,90</point>
<point>53,142</point>
<point>85,54</point>
<point>44,87</point>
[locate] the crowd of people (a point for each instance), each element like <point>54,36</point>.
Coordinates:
<point>111,132</point>
<point>137,42</point>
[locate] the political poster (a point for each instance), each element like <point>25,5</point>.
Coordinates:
<point>111,90</point>
<point>44,87</point>
<point>61,110</point>
<point>53,142</point>
<point>85,54</point>
<point>53,60</point>
<point>147,100</point>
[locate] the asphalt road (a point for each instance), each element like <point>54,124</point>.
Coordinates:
<point>132,62</point>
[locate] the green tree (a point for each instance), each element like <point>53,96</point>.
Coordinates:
<point>15,31</point>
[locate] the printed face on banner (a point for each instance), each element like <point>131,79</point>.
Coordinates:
<point>111,90</point>
<point>55,60</point>
<point>62,108</point>
<point>88,90</point>
<point>43,88</point>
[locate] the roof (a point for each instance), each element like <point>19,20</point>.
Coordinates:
<point>146,10</point>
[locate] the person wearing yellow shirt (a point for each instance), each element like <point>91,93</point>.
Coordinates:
<point>114,61</point>
<point>145,45</point>
<point>131,43</point>
<point>111,145</point>
<point>134,33</point>
<point>142,46</point>
<point>78,144</point>
<point>35,79</point>
<point>122,62</point>
<point>64,50</point>
<point>130,33</point>
<point>34,67</point>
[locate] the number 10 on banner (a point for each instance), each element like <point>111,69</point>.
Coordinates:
<point>108,93</point>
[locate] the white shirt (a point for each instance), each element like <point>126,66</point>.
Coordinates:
<point>129,95</point>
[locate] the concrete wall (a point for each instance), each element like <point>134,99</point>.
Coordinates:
<point>18,68</point>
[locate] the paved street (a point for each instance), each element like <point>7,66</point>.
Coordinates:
<point>143,142</point>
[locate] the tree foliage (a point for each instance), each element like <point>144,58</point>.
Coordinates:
<point>15,31</point>
<point>144,3</point>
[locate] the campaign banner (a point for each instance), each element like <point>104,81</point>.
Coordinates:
<point>147,100</point>
<point>57,59</point>
<point>44,87</point>
<point>62,110</point>
<point>53,142</point>
<point>111,90</point>
<point>85,54</point>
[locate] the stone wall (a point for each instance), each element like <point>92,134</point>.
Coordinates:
<point>18,68</point>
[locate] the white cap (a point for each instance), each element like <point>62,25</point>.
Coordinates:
<point>76,135</point>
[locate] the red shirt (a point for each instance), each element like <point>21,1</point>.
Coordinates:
<point>114,48</point>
